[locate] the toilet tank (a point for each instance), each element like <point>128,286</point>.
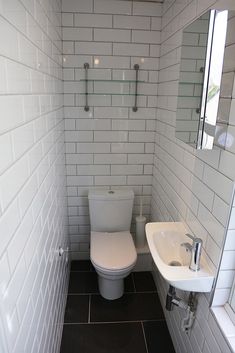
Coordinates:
<point>110,210</point>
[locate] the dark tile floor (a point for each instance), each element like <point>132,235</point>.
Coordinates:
<point>132,324</point>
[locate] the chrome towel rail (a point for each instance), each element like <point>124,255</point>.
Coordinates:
<point>136,67</point>
<point>86,67</point>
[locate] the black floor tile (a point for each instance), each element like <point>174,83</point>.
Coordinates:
<point>77,309</point>
<point>81,265</point>
<point>83,282</point>
<point>92,268</point>
<point>158,337</point>
<point>103,338</point>
<point>130,307</point>
<point>129,284</point>
<point>144,282</point>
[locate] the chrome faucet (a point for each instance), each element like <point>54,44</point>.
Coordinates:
<point>195,249</point>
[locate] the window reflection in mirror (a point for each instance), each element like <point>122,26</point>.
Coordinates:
<point>201,68</point>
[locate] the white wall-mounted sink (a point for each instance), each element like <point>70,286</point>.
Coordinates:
<point>172,259</point>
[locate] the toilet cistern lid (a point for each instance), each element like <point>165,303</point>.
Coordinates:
<point>113,251</point>
<point>109,195</point>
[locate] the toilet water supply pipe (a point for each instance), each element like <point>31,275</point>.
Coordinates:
<point>187,322</point>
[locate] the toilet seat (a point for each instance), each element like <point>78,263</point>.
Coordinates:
<point>113,251</point>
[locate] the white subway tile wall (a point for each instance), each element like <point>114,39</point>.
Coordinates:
<point>192,186</point>
<point>110,146</point>
<point>33,279</point>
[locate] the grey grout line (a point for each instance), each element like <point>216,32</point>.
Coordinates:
<point>82,270</point>
<point>126,321</point>
<point>89,310</point>
<point>113,322</point>
<point>90,293</point>
<point>125,293</point>
<point>132,276</point>
<point>146,346</point>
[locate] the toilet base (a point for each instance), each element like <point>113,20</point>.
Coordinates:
<point>111,289</point>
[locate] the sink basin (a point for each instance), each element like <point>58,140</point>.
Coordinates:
<point>172,260</point>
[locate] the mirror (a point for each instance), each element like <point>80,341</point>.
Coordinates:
<point>201,68</point>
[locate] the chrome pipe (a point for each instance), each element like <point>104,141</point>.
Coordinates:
<point>136,67</point>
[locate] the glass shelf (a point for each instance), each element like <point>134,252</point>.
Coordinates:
<point>86,94</point>
<point>111,94</point>
<point>118,81</point>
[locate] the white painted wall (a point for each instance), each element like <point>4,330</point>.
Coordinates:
<point>192,186</point>
<point>110,146</point>
<point>32,178</point>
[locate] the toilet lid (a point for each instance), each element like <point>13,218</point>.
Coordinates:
<point>113,251</point>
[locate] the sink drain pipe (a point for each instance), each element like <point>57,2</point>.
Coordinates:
<point>189,306</point>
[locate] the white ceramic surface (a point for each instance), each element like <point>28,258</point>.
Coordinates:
<point>110,210</point>
<point>164,240</point>
<point>113,251</point>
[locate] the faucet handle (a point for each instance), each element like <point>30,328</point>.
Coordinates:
<point>194,239</point>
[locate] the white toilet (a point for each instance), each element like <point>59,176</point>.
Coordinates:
<point>113,252</point>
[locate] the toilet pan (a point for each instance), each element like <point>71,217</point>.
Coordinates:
<point>113,255</point>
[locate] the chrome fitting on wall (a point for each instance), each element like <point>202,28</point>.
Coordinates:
<point>189,306</point>
<point>63,251</point>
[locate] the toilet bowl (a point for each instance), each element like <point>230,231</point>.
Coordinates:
<point>113,255</point>
<point>113,252</point>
